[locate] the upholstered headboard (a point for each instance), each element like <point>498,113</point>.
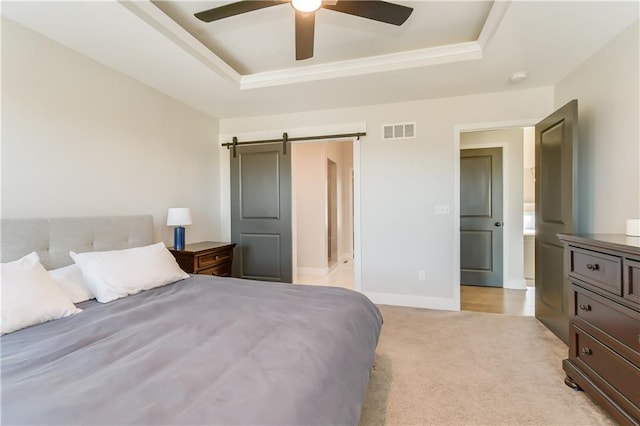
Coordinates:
<point>53,238</point>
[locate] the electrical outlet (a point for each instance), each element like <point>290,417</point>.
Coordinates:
<point>422,275</point>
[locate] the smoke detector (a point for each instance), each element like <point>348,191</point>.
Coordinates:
<point>518,77</point>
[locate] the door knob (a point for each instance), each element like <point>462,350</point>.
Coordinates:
<point>498,224</point>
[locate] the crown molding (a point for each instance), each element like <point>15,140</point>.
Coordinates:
<point>374,64</point>
<point>149,13</point>
<point>473,50</point>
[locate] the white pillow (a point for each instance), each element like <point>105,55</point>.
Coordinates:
<point>70,280</point>
<point>29,295</point>
<point>119,273</point>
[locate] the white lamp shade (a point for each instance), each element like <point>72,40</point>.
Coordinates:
<point>179,216</point>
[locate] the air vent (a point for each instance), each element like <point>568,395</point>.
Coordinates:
<point>399,131</point>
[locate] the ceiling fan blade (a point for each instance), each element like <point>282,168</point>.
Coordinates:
<point>305,26</point>
<point>237,8</point>
<point>377,10</point>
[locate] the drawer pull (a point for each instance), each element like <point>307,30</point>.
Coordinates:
<point>585,308</point>
<point>593,266</point>
<point>586,351</point>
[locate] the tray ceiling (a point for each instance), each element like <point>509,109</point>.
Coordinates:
<point>263,40</point>
<point>548,39</point>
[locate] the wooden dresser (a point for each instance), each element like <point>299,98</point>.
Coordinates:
<point>604,321</point>
<point>207,257</point>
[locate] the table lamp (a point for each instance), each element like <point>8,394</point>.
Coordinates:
<point>179,217</point>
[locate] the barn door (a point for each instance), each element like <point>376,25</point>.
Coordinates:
<point>261,212</point>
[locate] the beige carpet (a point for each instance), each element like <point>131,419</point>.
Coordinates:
<point>469,368</point>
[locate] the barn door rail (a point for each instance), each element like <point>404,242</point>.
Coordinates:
<point>285,138</point>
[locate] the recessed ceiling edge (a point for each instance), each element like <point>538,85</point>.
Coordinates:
<point>153,16</point>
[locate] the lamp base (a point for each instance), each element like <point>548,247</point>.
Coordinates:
<point>178,237</point>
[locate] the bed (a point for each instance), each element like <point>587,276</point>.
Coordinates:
<point>203,350</point>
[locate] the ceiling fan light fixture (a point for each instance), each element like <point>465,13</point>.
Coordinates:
<point>306,6</point>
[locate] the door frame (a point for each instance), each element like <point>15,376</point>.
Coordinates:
<point>225,183</point>
<point>478,127</point>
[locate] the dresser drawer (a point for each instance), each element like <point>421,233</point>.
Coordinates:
<point>632,280</point>
<point>617,321</point>
<point>598,269</point>
<point>601,361</point>
<point>215,258</point>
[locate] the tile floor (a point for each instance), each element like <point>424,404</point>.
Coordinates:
<point>340,276</point>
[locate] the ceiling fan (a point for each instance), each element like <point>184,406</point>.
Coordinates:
<point>376,10</point>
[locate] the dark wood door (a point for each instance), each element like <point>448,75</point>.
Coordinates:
<point>555,187</point>
<point>481,220</point>
<point>261,213</point>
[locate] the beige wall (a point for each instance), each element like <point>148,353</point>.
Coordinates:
<point>607,88</point>
<point>529,153</point>
<point>402,181</point>
<point>512,143</point>
<point>310,169</point>
<point>79,139</point>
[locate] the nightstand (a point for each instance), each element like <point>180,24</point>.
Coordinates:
<point>207,257</point>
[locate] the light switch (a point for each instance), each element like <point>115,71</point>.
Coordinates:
<point>441,209</point>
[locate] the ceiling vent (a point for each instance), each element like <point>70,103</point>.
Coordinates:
<point>399,131</point>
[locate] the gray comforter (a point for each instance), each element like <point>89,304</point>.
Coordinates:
<point>205,350</point>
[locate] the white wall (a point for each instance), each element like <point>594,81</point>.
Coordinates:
<point>79,139</point>
<point>512,143</point>
<point>607,89</point>
<point>402,181</point>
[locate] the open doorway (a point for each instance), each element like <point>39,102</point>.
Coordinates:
<point>324,208</point>
<point>510,295</point>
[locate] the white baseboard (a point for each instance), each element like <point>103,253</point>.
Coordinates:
<point>413,301</point>
<point>320,272</point>
<point>518,284</point>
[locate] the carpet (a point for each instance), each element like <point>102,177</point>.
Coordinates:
<point>470,368</point>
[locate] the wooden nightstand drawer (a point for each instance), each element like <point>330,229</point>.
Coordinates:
<point>208,257</point>
<point>223,270</point>
<point>598,269</point>
<point>215,258</point>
